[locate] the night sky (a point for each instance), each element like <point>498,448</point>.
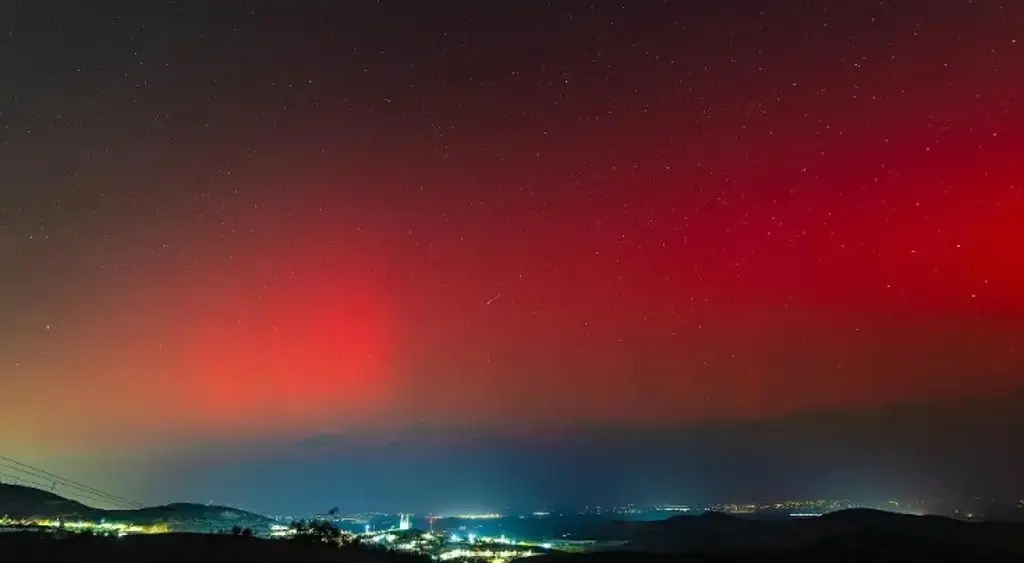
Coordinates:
<point>439,255</point>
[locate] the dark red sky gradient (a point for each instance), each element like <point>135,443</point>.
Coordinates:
<point>240,224</point>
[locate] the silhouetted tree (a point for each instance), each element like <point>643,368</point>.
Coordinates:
<point>325,531</point>
<point>300,527</point>
<point>317,530</point>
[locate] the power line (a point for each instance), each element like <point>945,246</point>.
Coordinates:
<point>53,485</point>
<point>70,490</point>
<point>41,483</point>
<point>19,480</point>
<point>44,479</point>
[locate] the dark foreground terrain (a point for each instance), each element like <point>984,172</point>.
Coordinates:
<point>858,531</point>
<point>194,548</point>
<point>182,548</point>
<point>867,550</point>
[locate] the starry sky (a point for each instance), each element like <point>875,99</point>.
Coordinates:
<point>373,245</point>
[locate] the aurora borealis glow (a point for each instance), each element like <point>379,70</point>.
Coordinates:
<point>259,222</point>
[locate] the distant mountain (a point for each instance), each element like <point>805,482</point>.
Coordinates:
<point>18,501</point>
<point>183,512</point>
<point>21,502</point>
<point>723,535</point>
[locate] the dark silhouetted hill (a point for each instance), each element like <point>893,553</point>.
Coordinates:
<point>175,548</point>
<point>859,532</point>
<point>184,512</point>
<point>18,501</point>
<point>21,502</point>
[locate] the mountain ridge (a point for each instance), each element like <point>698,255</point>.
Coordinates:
<point>715,533</point>
<point>21,502</point>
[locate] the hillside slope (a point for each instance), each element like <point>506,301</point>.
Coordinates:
<point>21,502</point>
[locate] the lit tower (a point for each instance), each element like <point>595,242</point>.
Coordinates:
<point>403,522</point>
